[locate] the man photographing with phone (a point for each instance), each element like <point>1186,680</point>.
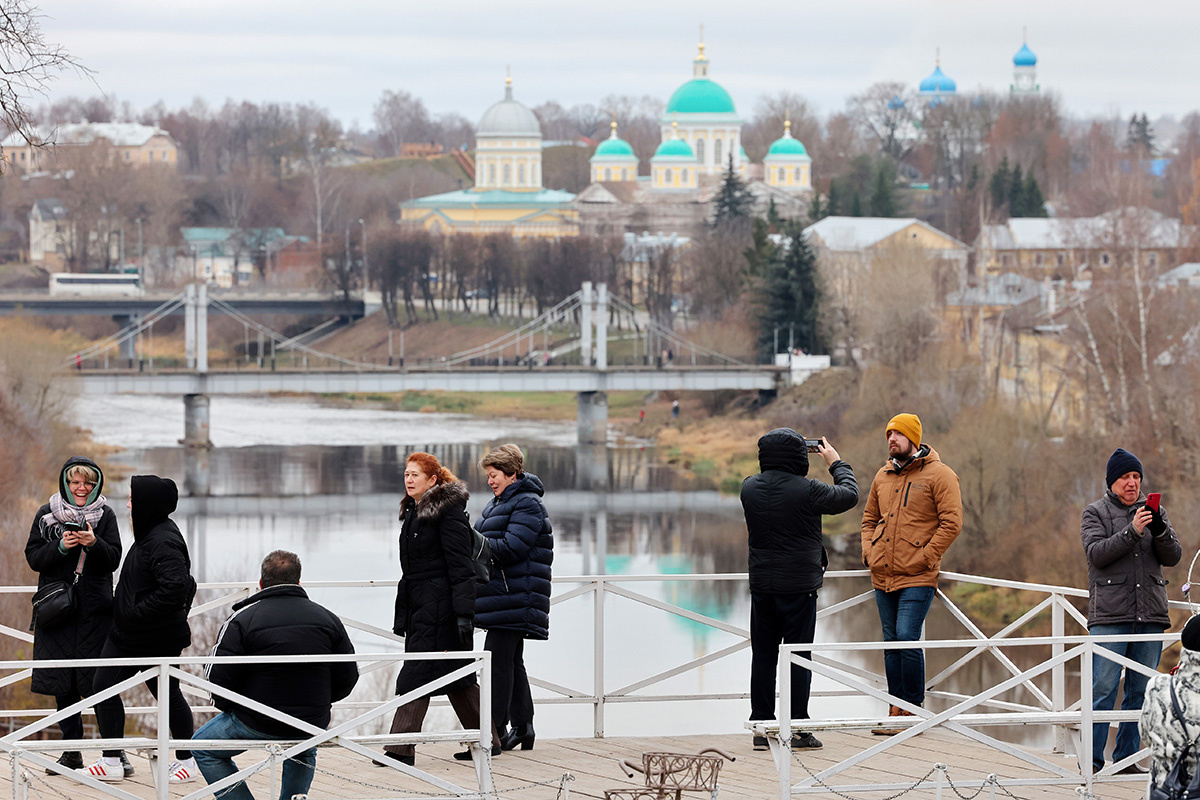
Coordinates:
<point>783,510</point>
<point>1127,540</point>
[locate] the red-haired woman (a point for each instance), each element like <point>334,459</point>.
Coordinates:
<point>435,601</point>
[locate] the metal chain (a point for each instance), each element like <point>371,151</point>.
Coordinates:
<point>33,782</point>
<point>834,790</point>
<point>990,779</point>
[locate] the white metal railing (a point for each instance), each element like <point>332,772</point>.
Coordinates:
<point>21,748</point>
<point>963,713</point>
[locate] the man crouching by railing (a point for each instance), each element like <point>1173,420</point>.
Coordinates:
<point>279,620</point>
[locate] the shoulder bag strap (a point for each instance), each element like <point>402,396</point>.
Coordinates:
<point>83,555</point>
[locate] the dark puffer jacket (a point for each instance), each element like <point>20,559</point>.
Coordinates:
<point>156,587</point>
<point>1125,580</point>
<point>438,585</point>
<point>282,621</point>
<point>783,511</point>
<point>518,528</point>
<point>81,635</point>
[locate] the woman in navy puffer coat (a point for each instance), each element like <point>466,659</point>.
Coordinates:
<point>515,604</point>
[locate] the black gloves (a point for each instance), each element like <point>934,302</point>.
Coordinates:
<point>466,632</point>
<point>1157,526</point>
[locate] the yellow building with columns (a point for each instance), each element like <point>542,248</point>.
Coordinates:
<point>508,195</point>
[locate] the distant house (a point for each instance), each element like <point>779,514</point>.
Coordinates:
<point>49,234</point>
<point>232,256</point>
<point>1185,276</point>
<point>135,144</point>
<point>1062,248</point>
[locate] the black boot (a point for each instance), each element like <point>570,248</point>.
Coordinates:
<point>465,755</point>
<point>126,767</point>
<point>522,735</point>
<point>389,755</point>
<point>71,759</point>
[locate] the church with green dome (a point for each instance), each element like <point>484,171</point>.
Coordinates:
<point>701,133</point>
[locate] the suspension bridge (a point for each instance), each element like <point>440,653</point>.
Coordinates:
<point>563,349</point>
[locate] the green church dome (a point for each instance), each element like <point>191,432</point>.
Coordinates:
<point>614,147</point>
<point>787,146</point>
<point>675,148</point>
<point>700,96</point>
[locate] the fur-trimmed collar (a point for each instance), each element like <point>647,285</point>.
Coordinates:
<point>437,501</point>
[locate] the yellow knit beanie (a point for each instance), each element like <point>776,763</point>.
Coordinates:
<point>907,424</point>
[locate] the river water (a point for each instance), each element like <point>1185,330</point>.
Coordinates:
<point>325,482</point>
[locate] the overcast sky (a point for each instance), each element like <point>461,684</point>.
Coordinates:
<point>1099,56</point>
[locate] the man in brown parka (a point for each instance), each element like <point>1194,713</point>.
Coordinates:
<point>913,513</point>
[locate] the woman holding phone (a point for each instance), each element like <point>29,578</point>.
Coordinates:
<point>75,531</point>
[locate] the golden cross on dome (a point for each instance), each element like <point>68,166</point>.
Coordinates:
<point>701,40</point>
<point>508,75</point>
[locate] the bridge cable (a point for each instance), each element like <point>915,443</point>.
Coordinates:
<point>129,331</point>
<point>671,336</point>
<point>557,313</point>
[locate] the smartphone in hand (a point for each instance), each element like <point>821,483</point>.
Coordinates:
<point>1152,501</point>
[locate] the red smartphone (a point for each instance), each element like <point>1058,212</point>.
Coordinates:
<point>1152,500</point>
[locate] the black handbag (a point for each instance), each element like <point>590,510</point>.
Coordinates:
<point>1177,785</point>
<point>481,557</point>
<point>55,602</point>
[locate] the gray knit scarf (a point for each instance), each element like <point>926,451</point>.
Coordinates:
<point>61,512</point>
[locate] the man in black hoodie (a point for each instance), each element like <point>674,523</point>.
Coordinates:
<point>150,618</point>
<point>279,620</point>
<point>783,511</point>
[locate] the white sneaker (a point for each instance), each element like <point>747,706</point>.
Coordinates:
<point>182,771</point>
<point>102,771</point>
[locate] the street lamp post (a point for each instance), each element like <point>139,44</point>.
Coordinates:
<point>141,275</point>
<point>364,259</point>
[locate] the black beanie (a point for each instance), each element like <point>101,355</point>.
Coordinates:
<point>1120,462</point>
<point>783,449</point>
<point>1190,637</point>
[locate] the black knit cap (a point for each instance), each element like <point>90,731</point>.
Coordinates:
<point>1190,638</point>
<point>1120,462</point>
<point>783,449</point>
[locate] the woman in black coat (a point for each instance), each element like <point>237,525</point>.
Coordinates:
<point>75,524</point>
<point>435,600</point>
<point>515,604</point>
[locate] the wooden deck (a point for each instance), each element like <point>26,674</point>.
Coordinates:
<point>535,774</point>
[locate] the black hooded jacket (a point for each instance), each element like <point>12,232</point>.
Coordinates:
<point>82,634</point>
<point>783,511</point>
<point>282,621</point>
<point>156,588</point>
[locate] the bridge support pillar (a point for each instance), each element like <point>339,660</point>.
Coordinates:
<point>128,349</point>
<point>592,417</point>
<point>195,422</point>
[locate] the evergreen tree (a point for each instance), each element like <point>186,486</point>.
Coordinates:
<point>789,296</point>
<point>733,201</point>
<point>998,186</point>
<point>1016,185</point>
<point>856,206</point>
<point>1033,203</point>
<point>1139,136</point>
<point>883,197</point>
<point>832,208</point>
<point>818,209</point>
<point>760,251</point>
<point>773,218</point>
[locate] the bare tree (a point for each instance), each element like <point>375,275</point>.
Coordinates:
<point>27,64</point>
<point>886,111</point>
<point>400,118</point>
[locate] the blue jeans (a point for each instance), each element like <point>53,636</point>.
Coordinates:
<point>217,764</point>
<point>1105,677</point>
<point>902,615</point>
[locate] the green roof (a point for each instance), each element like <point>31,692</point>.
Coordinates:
<point>700,96</point>
<point>677,148</point>
<point>787,146</point>
<point>614,147</point>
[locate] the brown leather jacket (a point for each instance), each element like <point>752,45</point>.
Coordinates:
<point>912,516</point>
